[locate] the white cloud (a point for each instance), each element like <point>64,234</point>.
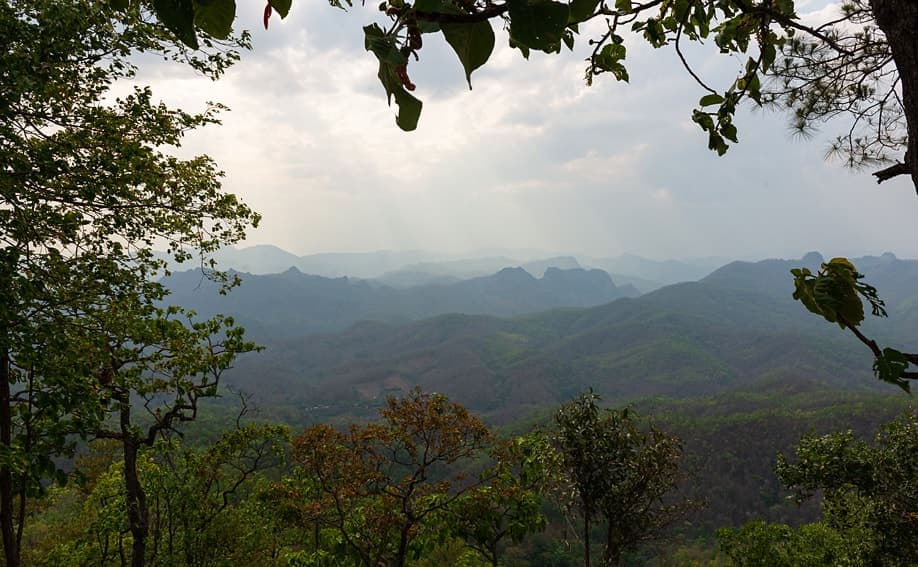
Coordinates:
<point>531,157</point>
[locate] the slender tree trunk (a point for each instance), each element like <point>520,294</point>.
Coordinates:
<point>10,549</point>
<point>586,540</point>
<point>898,19</point>
<point>402,547</point>
<point>613,554</point>
<point>138,515</point>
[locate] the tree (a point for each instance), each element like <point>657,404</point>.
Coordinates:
<point>618,472</point>
<point>170,365</point>
<point>869,503</point>
<point>203,508</point>
<point>835,293</point>
<point>864,485</point>
<point>508,505</point>
<point>86,190</point>
<point>378,486</point>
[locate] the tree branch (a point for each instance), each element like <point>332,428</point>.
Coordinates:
<point>894,170</point>
<point>471,18</point>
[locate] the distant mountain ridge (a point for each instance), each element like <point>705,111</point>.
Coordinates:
<point>293,303</point>
<point>733,329</point>
<point>416,267</point>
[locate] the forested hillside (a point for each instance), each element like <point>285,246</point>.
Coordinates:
<point>296,304</point>
<point>735,328</point>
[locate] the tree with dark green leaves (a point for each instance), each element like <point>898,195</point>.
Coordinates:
<point>870,485</point>
<point>87,188</point>
<point>618,472</point>
<point>870,503</point>
<point>508,505</point>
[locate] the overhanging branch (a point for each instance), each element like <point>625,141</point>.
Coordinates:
<point>894,170</point>
<point>470,18</point>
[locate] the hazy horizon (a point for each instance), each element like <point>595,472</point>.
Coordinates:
<point>530,159</point>
<point>533,254</point>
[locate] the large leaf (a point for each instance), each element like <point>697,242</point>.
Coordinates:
<point>282,7</point>
<point>409,110</point>
<point>409,107</point>
<point>538,24</point>
<point>581,10</point>
<point>391,60</point>
<point>429,6</point>
<point>215,17</point>
<point>473,43</point>
<point>383,46</point>
<point>178,17</point>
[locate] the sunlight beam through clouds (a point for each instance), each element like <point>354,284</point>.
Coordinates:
<point>530,157</point>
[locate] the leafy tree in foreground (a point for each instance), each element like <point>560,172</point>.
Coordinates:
<point>760,544</point>
<point>164,367</point>
<point>619,473</point>
<point>870,506</point>
<point>509,504</point>
<point>378,487</point>
<point>86,190</point>
<point>871,485</point>
<point>201,507</point>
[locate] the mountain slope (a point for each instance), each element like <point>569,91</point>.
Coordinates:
<point>695,338</point>
<point>293,303</point>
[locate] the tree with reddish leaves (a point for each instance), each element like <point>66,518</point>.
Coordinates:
<point>378,487</point>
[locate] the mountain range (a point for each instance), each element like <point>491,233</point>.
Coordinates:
<point>733,329</point>
<point>416,267</point>
<point>293,303</point>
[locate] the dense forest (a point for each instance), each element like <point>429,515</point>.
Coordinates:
<point>433,416</point>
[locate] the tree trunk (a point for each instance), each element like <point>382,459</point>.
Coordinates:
<point>586,540</point>
<point>612,557</point>
<point>402,547</point>
<point>10,549</point>
<point>138,517</point>
<point>898,19</point>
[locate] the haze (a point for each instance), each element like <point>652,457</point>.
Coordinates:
<point>530,159</point>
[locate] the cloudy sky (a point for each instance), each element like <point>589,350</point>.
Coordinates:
<point>531,158</point>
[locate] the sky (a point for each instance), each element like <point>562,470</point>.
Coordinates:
<point>530,158</point>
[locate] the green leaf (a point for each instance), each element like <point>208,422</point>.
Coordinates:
<point>538,24</point>
<point>383,46</point>
<point>609,59</point>
<point>711,100</point>
<point>517,45</point>
<point>409,110</point>
<point>769,52</point>
<point>215,18</point>
<point>430,6</point>
<point>568,39</point>
<point>282,7</point>
<point>729,132</point>
<point>178,17</point>
<point>889,367</point>
<point>623,5</point>
<point>581,10</point>
<point>473,44</point>
<point>428,27</point>
<point>409,107</point>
